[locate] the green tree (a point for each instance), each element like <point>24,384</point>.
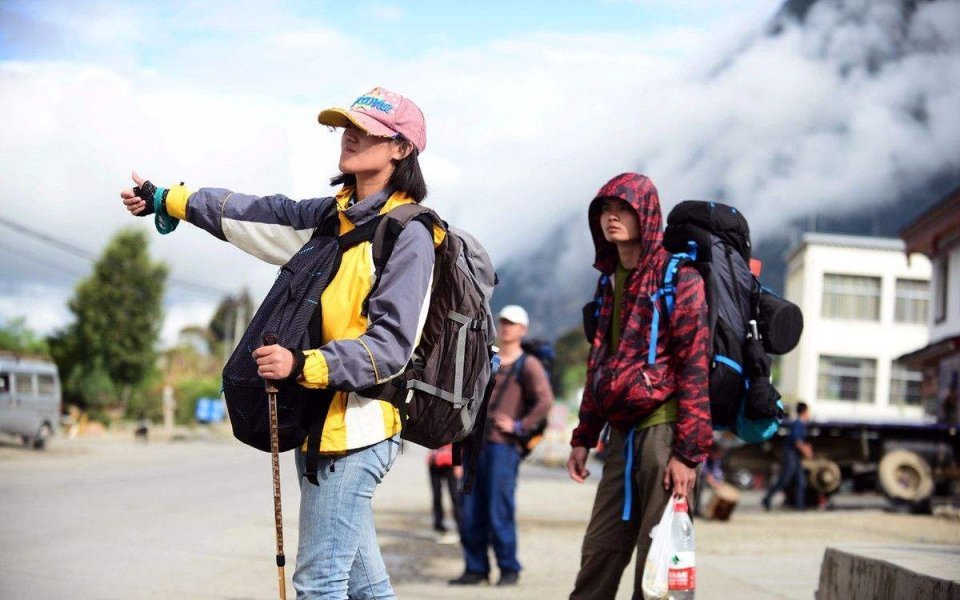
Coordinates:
<point>570,369</point>
<point>224,318</point>
<point>110,345</point>
<point>15,336</point>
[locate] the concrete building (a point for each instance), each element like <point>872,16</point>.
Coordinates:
<point>864,305</point>
<point>936,233</point>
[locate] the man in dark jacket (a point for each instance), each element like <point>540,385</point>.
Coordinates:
<point>659,413</point>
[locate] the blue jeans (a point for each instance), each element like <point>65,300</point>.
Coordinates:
<point>338,555</point>
<point>791,471</point>
<point>489,512</point>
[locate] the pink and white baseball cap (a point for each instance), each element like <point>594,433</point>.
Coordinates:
<point>381,113</point>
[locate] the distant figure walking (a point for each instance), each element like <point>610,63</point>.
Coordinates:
<point>795,449</point>
<point>442,472</point>
<point>142,432</point>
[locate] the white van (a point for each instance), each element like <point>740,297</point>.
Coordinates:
<point>30,399</point>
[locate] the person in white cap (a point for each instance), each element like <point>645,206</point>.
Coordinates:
<point>521,399</point>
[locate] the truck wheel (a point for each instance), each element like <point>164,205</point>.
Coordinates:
<point>824,475</point>
<point>905,475</point>
<point>40,440</point>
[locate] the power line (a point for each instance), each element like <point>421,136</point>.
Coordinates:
<point>34,259</point>
<point>47,239</point>
<point>75,250</point>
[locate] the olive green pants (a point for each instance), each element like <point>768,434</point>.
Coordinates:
<point>609,541</point>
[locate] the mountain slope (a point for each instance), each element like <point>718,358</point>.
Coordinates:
<point>837,116</point>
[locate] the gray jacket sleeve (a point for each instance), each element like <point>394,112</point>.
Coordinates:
<point>272,228</point>
<point>397,311</point>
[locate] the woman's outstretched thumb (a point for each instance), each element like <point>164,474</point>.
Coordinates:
<point>136,178</point>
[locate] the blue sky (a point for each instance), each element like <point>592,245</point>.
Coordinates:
<point>55,30</point>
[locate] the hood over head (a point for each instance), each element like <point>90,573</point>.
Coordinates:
<point>640,193</point>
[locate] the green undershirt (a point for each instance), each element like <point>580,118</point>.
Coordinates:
<point>666,412</point>
<point>619,282</point>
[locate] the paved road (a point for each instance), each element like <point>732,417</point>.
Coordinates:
<point>109,518</point>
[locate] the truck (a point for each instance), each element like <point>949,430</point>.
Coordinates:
<point>31,401</point>
<point>911,464</point>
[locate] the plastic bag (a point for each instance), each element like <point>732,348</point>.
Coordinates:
<point>655,584</point>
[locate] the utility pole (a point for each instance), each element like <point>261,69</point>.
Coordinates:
<point>239,321</point>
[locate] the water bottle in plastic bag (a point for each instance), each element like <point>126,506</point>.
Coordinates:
<point>670,569</point>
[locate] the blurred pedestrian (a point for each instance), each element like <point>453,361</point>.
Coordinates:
<point>142,431</point>
<point>712,474</point>
<point>795,449</point>
<point>444,474</point>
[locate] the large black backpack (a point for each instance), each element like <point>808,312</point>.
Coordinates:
<point>715,239</point>
<point>441,395</point>
<point>287,312</point>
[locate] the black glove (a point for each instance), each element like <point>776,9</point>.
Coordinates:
<point>146,192</point>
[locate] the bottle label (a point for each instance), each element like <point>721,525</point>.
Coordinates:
<point>682,574</point>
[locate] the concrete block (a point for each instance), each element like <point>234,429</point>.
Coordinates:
<point>890,572</point>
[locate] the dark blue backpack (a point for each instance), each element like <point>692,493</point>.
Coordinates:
<point>715,239</point>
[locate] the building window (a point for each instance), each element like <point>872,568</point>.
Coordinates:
<point>4,383</point>
<point>905,386</point>
<point>850,379</point>
<point>851,297</point>
<point>46,385</point>
<point>940,294</point>
<point>913,299</point>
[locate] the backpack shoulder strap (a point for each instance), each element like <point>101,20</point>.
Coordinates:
<point>360,233</point>
<point>668,295</point>
<point>329,222</point>
<point>392,223</point>
<point>517,369</point>
<point>383,231</point>
<point>518,374</point>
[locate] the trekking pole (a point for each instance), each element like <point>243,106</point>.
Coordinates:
<point>269,340</point>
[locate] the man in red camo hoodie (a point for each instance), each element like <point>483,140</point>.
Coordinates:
<point>659,413</point>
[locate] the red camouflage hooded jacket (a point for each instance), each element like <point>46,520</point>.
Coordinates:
<point>621,387</point>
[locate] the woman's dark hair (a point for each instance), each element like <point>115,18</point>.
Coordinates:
<point>407,176</point>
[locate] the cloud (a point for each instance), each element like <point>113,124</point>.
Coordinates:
<point>497,114</point>
<point>521,130</point>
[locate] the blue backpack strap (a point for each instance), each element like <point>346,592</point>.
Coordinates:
<point>598,301</point>
<point>668,292</point>
<point>732,364</point>
<point>628,476</point>
<point>516,372</point>
<point>518,366</point>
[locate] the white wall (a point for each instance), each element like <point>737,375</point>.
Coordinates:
<point>951,325</point>
<point>882,340</point>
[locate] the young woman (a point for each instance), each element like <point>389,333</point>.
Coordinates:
<point>383,134</point>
